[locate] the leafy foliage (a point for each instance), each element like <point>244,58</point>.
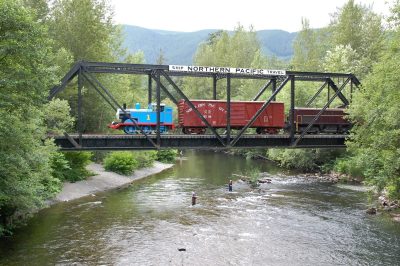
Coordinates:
<point>342,59</point>
<point>25,168</point>
<point>375,139</point>
<point>84,30</point>
<point>167,156</point>
<point>145,158</point>
<point>26,72</point>
<point>305,159</point>
<point>122,162</point>
<point>26,59</point>
<point>349,166</point>
<point>77,162</point>
<point>307,50</point>
<point>359,27</point>
<point>59,165</point>
<point>57,117</point>
<point>254,176</point>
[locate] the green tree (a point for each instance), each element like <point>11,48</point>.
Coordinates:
<point>342,59</point>
<point>26,73</point>
<point>84,28</point>
<point>24,52</point>
<point>374,143</point>
<point>307,52</point>
<point>57,117</point>
<point>358,26</point>
<point>40,8</point>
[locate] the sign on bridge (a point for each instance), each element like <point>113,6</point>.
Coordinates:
<point>226,70</point>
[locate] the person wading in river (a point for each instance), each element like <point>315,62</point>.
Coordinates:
<point>230,185</point>
<point>194,197</point>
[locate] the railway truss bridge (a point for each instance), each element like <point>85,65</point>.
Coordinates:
<point>164,79</point>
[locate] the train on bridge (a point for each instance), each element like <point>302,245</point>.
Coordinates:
<point>271,120</point>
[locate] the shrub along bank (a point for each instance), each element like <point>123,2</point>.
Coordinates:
<point>125,162</point>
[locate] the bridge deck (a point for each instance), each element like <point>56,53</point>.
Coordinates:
<point>139,142</point>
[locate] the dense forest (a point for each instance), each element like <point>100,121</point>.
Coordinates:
<point>39,43</point>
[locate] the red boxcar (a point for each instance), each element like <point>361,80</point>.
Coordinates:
<point>214,111</point>
<point>332,120</point>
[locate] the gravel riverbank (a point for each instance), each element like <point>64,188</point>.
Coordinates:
<point>104,180</point>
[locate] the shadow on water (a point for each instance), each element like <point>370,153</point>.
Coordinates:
<point>291,221</point>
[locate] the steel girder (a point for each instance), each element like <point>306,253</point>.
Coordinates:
<point>139,142</point>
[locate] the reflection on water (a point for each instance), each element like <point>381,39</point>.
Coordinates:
<point>291,221</point>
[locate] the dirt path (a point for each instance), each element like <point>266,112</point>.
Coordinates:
<point>104,180</point>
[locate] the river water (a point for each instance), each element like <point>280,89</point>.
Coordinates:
<point>291,221</point>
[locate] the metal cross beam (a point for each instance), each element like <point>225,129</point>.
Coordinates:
<point>192,106</point>
<point>262,90</point>
<point>119,106</point>
<point>166,91</point>
<point>320,112</point>
<point>256,115</point>
<point>318,92</point>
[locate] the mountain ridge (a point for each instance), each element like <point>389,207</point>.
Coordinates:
<point>180,47</point>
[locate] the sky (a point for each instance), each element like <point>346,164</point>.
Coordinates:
<point>187,15</point>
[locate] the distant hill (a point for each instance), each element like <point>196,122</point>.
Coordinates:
<point>180,47</point>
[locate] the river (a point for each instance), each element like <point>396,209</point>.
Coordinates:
<point>291,221</point>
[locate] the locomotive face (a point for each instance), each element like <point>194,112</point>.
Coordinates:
<point>121,115</point>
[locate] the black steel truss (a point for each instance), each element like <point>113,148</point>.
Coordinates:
<point>161,73</point>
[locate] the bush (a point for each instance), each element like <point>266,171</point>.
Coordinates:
<point>122,162</point>
<point>77,162</point>
<point>254,175</point>
<point>393,190</point>
<point>145,158</point>
<point>167,156</point>
<point>294,158</point>
<point>348,166</point>
<point>305,159</point>
<point>59,166</point>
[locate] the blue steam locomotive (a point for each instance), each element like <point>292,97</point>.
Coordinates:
<point>146,119</point>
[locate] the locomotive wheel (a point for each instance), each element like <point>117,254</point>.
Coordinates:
<point>130,130</point>
<point>266,130</point>
<point>193,130</point>
<point>312,130</point>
